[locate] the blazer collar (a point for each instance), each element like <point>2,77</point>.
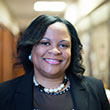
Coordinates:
<point>23,93</point>
<point>79,93</point>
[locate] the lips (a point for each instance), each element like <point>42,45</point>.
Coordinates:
<point>52,61</point>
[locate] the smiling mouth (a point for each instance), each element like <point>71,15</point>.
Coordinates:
<point>52,61</point>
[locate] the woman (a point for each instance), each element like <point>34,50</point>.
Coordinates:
<point>50,52</point>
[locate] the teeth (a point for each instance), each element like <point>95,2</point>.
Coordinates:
<point>51,61</point>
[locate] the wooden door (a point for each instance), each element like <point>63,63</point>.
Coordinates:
<point>1,49</point>
<point>7,55</point>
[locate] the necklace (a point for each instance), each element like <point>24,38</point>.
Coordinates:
<point>54,91</point>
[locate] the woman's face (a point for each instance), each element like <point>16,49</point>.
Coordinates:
<point>52,55</point>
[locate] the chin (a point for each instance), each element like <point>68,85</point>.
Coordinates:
<point>54,73</point>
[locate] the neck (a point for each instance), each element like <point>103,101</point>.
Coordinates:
<point>49,82</point>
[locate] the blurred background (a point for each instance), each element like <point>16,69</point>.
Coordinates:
<point>90,17</point>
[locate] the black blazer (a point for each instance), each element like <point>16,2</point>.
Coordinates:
<point>87,94</point>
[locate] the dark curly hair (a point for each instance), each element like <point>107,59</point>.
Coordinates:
<point>35,32</point>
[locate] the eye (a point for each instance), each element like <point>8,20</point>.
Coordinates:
<point>45,43</point>
<point>63,45</point>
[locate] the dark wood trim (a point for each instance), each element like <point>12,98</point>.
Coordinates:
<point>1,53</point>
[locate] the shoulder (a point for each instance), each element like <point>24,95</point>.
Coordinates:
<point>87,81</point>
<point>94,84</point>
<point>10,83</point>
<point>7,92</point>
<point>92,81</point>
<point>96,88</point>
<point>8,87</point>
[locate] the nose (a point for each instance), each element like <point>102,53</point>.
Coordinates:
<point>54,51</point>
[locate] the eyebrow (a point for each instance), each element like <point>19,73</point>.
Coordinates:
<point>64,41</point>
<point>45,38</point>
<point>50,40</point>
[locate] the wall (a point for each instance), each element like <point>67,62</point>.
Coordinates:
<point>7,19</point>
<point>92,20</point>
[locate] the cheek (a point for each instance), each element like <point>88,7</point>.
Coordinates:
<point>67,55</point>
<point>67,59</point>
<point>36,58</point>
<point>38,53</point>
<point>35,53</point>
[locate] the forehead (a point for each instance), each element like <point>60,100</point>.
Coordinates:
<point>57,29</point>
<point>58,26</point>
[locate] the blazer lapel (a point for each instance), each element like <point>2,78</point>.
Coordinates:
<point>23,93</point>
<point>79,94</point>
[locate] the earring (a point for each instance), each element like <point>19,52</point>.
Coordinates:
<point>30,57</point>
